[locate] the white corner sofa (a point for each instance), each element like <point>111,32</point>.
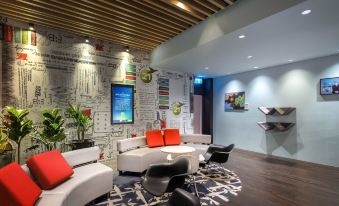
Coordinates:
<point>135,156</point>
<point>90,180</point>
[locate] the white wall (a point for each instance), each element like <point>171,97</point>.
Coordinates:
<point>314,138</point>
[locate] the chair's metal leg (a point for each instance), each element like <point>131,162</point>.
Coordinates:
<point>195,187</point>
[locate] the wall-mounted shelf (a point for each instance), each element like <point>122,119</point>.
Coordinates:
<point>278,110</point>
<point>279,126</point>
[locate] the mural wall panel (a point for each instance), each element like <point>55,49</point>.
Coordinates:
<point>49,68</point>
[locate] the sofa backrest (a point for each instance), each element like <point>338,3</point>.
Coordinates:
<point>128,144</point>
<point>136,142</point>
<point>82,156</point>
<point>196,138</point>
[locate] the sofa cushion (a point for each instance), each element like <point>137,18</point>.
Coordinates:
<point>172,137</point>
<point>154,138</point>
<point>49,169</point>
<point>16,187</point>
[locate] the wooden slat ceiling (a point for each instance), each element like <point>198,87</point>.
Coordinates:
<point>142,24</point>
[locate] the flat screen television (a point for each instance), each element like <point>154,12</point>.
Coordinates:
<point>122,101</point>
<point>329,86</point>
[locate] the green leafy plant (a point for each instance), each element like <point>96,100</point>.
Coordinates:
<point>52,131</point>
<point>5,145</point>
<point>82,121</point>
<point>17,125</point>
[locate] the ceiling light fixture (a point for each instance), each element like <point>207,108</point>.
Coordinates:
<point>180,5</point>
<point>86,40</point>
<point>306,12</point>
<point>127,48</point>
<point>255,67</point>
<point>31,26</point>
<point>206,68</point>
<point>241,36</point>
<point>249,57</point>
<point>290,60</point>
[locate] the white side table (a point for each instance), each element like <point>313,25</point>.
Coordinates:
<point>182,151</point>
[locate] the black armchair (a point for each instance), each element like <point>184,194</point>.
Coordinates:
<point>217,154</point>
<point>166,177</point>
<point>181,197</point>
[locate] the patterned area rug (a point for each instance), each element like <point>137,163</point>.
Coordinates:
<point>213,190</point>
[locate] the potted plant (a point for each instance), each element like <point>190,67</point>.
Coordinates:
<point>52,131</point>
<point>82,123</point>
<point>6,150</point>
<point>17,126</point>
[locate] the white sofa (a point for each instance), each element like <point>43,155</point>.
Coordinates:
<point>135,156</point>
<point>89,181</point>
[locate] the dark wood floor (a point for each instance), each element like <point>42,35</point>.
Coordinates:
<point>268,180</point>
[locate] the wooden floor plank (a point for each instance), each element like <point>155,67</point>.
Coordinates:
<point>269,180</point>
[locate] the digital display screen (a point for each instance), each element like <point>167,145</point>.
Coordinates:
<point>329,86</point>
<point>122,104</point>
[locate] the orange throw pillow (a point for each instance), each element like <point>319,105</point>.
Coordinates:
<point>154,138</point>
<point>172,137</point>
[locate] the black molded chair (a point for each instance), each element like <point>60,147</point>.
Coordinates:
<point>217,154</point>
<point>161,178</point>
<point>181,197</point>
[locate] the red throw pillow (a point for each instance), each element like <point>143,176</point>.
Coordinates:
<point>154,138</point>
<point>16,187</point>
<point>172,137</point>
<point>49,169</point>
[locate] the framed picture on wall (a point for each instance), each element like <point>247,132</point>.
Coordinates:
<point>235,101</point>
<point>329,86</point>
<point>122,101</point>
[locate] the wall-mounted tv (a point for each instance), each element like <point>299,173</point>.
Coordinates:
<point>329,86</point>
<point>122,111</point>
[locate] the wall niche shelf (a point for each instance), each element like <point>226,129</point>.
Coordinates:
<point>277,110</point>
<point>279,126</point>
<point>276,126</point>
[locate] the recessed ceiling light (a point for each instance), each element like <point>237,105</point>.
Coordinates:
<point>241,36</point>
<point>306,12</point>
<point>249,57</point>
<point>206,68</point>
<point>31,26</point>
<point>255,67</point>
<point>290,60</point>
<point>180,5</point>
<point>86,40</point>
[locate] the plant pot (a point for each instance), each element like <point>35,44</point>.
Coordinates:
<point>6,158</point>
<point>78,144</point>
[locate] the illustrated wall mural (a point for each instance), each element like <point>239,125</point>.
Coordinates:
<point>48,68</point>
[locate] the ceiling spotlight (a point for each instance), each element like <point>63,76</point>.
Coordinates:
<point>86,40</point>
<point>31,26</point>
<point>241,36</point>
<point>127,48</point>
<point>306,12</point>
<point>180,5</point>
<point>206,68</point>
<point>290,60</point>
<point>255,67</point>
<point>249,57</point>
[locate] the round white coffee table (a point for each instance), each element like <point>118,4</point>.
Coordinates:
<point>182,151</point>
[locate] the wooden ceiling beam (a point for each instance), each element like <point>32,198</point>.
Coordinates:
<point>208,5</point>
<point>91,34</point>
<point>198,7</point>
<point>126,17</point>
<point>186,8</point>
<point>41,19</point>
<point>166,8</point>
<point>219,3</point>
<point>90,13</point>
<point>229,2</point>
<point>137,4</point>
<point>68,17</point>
<point>133,11</point>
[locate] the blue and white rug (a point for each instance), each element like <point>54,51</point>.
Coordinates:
<point>213,190</point>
